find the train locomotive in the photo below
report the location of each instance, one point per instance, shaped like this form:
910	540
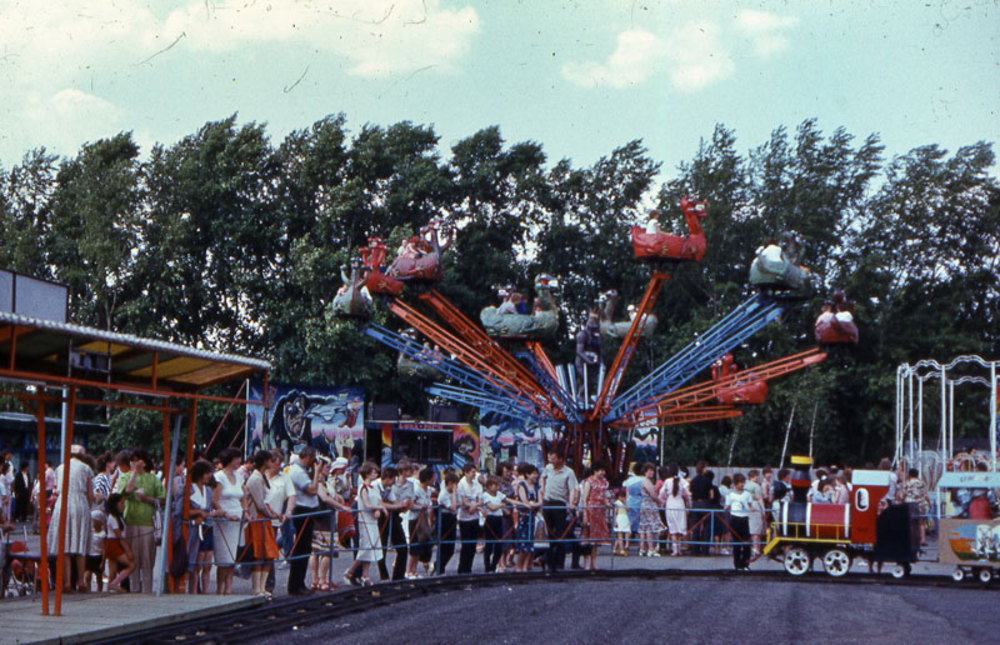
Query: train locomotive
868	527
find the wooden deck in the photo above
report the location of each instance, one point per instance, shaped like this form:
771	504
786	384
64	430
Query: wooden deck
88	618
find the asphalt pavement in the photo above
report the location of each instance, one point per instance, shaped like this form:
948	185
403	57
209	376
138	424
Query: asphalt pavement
735	609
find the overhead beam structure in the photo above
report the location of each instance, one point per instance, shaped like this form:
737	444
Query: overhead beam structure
57	362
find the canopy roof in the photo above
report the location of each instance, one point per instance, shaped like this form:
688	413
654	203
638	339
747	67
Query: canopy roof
54	353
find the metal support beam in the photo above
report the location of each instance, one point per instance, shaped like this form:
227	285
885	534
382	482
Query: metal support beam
748	318
614	377
702	393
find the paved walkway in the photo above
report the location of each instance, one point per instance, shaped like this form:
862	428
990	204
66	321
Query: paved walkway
86	617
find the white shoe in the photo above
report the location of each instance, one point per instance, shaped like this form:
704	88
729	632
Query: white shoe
654	554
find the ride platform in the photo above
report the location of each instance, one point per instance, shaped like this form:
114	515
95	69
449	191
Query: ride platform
94	617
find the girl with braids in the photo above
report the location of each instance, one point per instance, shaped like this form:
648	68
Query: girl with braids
676	499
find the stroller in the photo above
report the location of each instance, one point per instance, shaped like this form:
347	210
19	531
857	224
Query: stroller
17	576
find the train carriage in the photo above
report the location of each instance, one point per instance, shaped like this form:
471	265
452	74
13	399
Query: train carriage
970	543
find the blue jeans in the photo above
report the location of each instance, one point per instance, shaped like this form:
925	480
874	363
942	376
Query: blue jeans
286	537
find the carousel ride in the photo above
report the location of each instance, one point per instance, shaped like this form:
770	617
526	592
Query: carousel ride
501	366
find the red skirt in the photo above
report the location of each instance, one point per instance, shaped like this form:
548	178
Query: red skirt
345	525
113	549
259	535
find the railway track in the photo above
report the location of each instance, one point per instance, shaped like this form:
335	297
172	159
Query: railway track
286	613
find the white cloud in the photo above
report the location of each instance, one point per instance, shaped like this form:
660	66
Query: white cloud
47	45
69	117
633	61
766	30
695	45
70	103
379	37
693	54
103	47
698	56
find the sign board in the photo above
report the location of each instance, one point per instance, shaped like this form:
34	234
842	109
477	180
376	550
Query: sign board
32	297
6	291
969	542
969	480
329	419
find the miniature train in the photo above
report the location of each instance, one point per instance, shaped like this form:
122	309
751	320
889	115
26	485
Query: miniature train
837	534
872	529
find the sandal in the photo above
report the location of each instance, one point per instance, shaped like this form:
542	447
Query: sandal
324	586
366	582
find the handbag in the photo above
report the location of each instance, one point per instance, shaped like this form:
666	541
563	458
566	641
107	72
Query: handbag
422	529
244	558
158	525
179	556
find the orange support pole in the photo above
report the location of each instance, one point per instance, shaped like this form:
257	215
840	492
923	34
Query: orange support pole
43	521
479	339
617	370
492	366
543	359
700	393
13	347
63	503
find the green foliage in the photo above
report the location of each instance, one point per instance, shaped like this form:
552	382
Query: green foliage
227	240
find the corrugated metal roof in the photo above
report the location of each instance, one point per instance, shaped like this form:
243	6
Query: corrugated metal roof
44	345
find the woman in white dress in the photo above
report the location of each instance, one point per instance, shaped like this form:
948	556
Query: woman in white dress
79	527
676	500
228	499
369	511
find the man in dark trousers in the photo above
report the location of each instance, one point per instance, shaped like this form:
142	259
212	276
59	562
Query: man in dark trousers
22	494
559	504
305	478
701	501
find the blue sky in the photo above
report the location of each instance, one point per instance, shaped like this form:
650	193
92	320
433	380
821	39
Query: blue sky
580	77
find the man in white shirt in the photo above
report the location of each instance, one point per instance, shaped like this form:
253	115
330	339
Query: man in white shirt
740	503
390	530
559	494
403	493
470	499
305	478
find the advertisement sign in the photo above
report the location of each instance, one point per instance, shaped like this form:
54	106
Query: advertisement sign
329	419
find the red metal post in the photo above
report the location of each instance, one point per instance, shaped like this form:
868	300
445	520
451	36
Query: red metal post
617	370
43	529
63	500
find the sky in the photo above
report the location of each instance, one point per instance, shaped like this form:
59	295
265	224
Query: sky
579	77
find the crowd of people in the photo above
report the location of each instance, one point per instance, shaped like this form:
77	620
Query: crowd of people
249	518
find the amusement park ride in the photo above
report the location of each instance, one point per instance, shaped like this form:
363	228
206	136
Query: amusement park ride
501	366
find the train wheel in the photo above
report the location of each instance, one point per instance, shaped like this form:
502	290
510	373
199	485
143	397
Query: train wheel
985	575
958	575
836	562
797	561
900	571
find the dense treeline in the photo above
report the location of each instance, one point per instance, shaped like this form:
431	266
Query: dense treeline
229	241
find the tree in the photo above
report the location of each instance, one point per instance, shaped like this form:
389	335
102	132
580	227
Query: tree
27	194
95	227
205	268
496	202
